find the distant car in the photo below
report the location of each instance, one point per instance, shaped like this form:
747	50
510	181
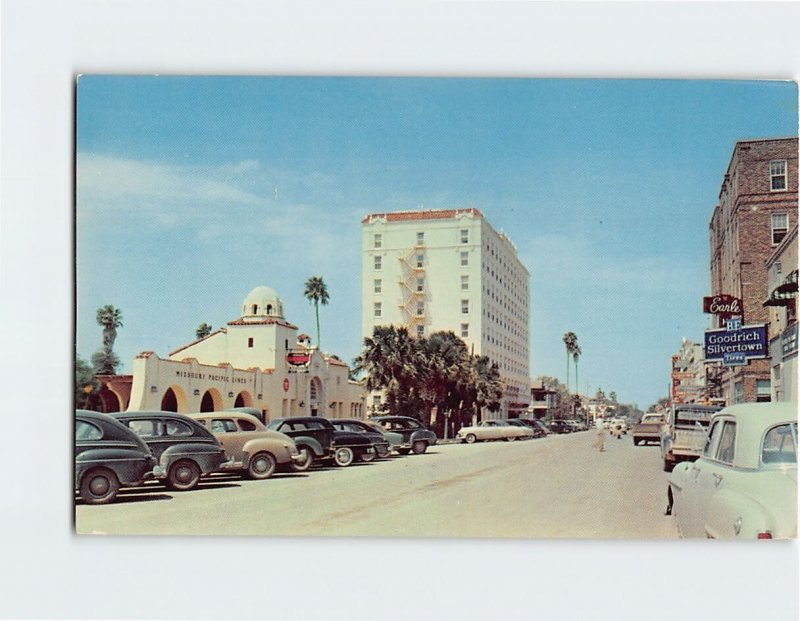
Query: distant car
560	426
378	439
109	456
527	432
318	440
253	449
416	436
744	484
184	448
493	430
538	429
394	439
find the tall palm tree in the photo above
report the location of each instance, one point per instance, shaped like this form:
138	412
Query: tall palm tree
576	353
570	342
111	319
316	293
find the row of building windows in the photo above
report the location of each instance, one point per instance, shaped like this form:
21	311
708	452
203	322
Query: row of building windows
377	284
377	238
420	261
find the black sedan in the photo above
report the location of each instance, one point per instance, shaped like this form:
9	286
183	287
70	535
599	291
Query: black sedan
416	436
108	456
185	449
379	441
318	440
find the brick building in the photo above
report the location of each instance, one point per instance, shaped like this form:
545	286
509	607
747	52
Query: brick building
757	208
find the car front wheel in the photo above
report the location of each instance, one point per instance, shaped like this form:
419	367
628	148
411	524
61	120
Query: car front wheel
343	456
470	438
368	457
510	438
183	476
419	447
262	466
99	486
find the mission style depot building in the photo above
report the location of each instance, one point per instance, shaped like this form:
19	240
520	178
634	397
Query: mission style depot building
257	361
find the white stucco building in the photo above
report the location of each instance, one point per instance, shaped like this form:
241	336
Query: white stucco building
449	269
246	363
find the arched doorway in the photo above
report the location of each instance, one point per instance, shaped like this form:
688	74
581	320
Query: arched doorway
243	400
314	395
211	401
169	402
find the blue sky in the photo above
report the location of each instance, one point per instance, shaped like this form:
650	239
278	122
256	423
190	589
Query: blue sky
194	190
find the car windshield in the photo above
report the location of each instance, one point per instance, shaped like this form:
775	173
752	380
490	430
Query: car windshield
780	445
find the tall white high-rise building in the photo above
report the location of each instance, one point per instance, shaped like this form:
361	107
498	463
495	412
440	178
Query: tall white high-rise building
449	269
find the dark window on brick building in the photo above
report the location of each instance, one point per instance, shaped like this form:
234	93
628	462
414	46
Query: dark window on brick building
780	226
250	342
777	175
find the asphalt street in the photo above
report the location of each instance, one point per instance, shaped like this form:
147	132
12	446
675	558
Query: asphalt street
555	487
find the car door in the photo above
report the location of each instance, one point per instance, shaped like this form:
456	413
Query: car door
690	514
151	431
714	472
231	439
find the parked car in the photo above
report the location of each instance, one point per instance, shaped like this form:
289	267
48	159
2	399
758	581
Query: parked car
416	436
394	439
184	448
545	431
537	430
109	456
378	439
492	430
684	434
318	440
527	432
744	484
560	426
253	449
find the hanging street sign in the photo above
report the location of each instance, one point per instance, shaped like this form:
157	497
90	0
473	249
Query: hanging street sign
737	346
724	304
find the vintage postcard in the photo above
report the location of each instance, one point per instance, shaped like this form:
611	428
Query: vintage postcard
435	307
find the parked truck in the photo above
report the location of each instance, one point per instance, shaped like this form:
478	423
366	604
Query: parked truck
684	434
648	429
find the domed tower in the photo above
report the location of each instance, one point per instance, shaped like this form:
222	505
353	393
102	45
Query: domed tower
262	303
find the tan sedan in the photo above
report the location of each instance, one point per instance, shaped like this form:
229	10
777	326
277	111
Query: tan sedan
493	430
255	450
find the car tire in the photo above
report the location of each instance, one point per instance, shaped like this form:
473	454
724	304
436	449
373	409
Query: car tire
343	456
368	457
99	486
635	441
419	447
262	466
183	475
306	463
470	438
510	438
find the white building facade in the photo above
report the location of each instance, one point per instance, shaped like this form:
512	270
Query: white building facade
248	363
449	270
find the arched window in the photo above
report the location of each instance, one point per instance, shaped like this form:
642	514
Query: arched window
269	309
255	309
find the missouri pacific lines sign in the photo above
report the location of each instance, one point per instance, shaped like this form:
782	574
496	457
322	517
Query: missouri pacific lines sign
746	343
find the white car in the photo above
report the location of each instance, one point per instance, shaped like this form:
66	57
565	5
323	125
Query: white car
493	430
744	484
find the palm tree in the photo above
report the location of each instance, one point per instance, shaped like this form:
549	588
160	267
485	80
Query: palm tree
390	360
203	330
316	293
576	353
445	374
111	319
570	342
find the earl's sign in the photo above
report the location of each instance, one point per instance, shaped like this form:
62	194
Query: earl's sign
734	347
725	305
